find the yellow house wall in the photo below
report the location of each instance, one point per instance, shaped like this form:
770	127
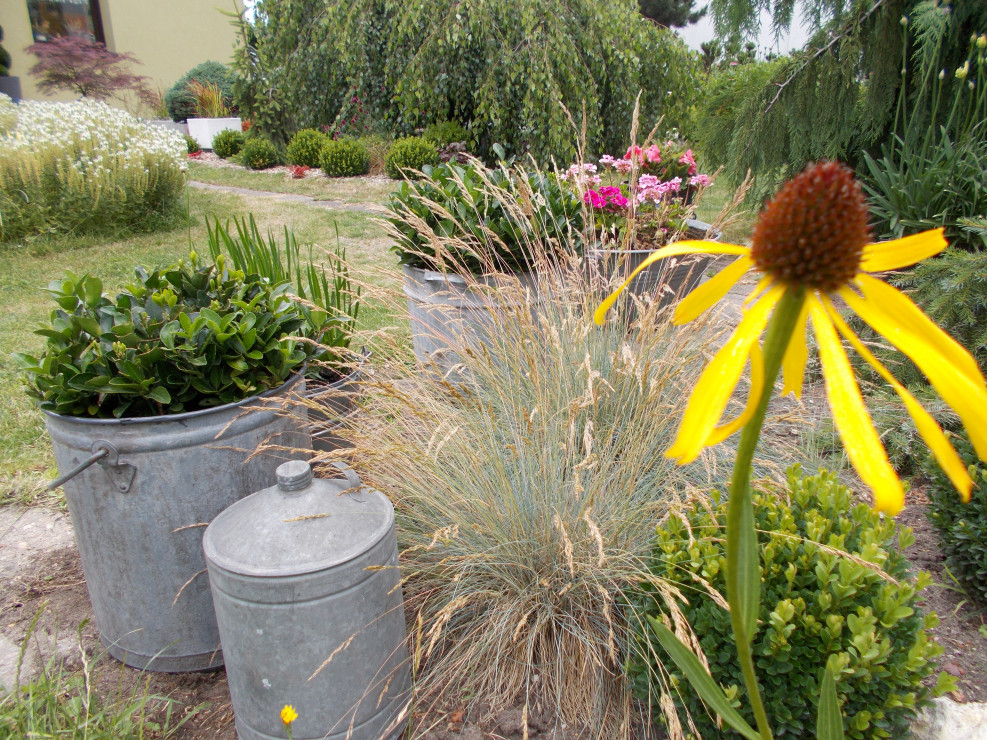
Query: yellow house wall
169	37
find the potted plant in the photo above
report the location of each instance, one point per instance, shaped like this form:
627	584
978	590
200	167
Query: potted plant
213	114
464	230
171	387
639	203
10	86
333	371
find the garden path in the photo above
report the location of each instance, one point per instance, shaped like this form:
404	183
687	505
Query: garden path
332	205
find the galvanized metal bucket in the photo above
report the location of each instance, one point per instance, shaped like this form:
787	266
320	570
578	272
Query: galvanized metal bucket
666	280
139	515
448	313
330	403
307	592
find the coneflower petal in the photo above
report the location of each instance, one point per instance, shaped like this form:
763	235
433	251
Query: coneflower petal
851	418
672	250
715	386
796	355
944	363
927	427
723	431
894	255
706	295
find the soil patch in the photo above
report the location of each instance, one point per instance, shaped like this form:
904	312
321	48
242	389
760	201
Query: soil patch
960	618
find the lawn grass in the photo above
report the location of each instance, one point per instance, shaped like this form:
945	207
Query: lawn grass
25	269
345	189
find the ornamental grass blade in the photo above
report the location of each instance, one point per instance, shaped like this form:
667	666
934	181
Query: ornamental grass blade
829	724
701	681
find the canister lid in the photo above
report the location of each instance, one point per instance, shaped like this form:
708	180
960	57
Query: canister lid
301	525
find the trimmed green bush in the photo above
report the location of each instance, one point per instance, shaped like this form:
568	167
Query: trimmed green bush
228	143
259	154
344	158
445	133
836	590
962	526
407	157
305	147
179	99
192	145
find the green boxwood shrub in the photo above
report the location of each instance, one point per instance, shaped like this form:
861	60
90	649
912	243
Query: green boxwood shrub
344	158
407	157
259	154
305	147
192	145
445	133
824	600
179	99
228	143
962	526
482	200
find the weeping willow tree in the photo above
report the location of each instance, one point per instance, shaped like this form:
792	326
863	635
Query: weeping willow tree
844	92
507	71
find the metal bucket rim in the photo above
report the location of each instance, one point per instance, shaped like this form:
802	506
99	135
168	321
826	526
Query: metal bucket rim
319	390
165	418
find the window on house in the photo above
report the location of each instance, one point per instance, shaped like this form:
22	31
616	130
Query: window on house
54	18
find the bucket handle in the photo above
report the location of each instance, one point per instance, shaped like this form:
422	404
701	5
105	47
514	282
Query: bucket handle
122	474
351	477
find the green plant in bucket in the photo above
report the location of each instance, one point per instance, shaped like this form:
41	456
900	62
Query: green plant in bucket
811	244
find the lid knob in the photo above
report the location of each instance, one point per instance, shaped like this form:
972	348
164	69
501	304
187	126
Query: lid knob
294	475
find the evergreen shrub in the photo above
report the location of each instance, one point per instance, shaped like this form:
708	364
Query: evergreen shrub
836	590
962	526
228	143
192	144
344	158
305	147
181	101
407	157
445	133
259	154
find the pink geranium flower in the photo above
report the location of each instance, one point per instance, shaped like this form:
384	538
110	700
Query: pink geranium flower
653	153
690	160
700	180
594	200
623	165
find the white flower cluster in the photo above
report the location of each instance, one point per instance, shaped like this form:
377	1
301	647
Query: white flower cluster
92	138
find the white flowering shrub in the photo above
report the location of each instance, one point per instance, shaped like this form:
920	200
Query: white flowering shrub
85	167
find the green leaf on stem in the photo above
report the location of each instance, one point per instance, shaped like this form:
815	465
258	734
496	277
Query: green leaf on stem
829	725
701	681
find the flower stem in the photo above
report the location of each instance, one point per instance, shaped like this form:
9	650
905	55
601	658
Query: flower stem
742	549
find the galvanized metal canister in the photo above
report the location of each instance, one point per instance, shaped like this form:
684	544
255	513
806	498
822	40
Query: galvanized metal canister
307	593
139	515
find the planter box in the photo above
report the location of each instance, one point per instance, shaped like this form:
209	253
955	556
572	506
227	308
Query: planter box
204	130
11	86
178	126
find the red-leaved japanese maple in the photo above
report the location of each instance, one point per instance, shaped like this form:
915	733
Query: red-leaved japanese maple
90	69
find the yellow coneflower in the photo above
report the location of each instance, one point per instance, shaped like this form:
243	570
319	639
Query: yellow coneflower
288	714
812	243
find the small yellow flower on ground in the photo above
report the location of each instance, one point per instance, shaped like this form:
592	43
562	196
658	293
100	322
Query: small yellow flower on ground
288	714
813	239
